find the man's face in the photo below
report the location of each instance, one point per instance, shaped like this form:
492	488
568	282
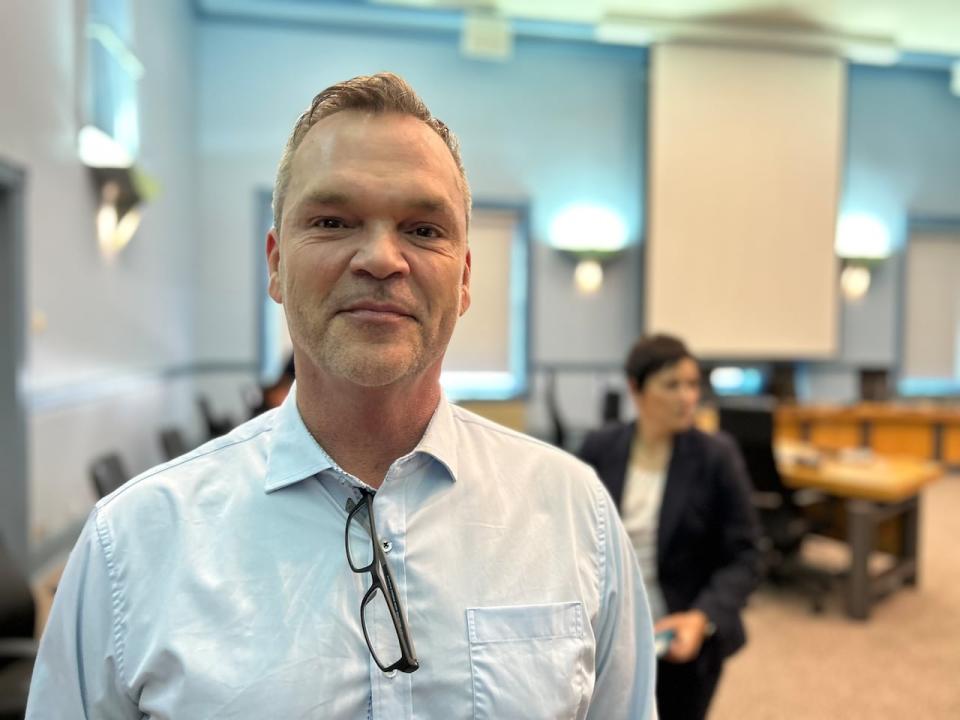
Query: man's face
371	263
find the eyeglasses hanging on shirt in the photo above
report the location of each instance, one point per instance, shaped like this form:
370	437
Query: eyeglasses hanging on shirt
390	651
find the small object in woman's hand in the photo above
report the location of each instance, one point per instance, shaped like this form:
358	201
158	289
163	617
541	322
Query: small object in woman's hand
662	640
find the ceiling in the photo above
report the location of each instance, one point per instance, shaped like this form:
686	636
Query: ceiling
902	27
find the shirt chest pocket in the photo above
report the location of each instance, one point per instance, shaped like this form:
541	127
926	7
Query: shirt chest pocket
528	661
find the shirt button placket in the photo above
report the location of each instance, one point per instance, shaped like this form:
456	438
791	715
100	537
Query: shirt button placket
392	690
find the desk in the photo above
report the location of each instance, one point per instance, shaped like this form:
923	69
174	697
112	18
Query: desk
875	489
921	431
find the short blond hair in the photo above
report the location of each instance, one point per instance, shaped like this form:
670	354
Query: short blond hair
378	94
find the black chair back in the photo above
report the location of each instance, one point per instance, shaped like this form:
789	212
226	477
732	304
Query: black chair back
172	443
216	426
750	424
17	647
611	406
17	612
558	435
107	473
784	525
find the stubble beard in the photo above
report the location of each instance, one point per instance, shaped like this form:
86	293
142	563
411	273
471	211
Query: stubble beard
369	363
368	357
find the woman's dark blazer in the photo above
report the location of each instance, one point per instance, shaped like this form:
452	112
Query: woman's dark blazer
707	555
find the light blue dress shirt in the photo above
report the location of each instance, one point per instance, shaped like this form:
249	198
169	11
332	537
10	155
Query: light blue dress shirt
217	586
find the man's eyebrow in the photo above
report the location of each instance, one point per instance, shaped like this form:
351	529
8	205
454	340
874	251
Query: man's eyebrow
325	197
335	197
425	203
429	204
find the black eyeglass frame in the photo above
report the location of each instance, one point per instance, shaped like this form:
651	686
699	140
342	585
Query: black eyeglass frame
382	579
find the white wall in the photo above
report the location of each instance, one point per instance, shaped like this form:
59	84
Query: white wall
103	320
903	162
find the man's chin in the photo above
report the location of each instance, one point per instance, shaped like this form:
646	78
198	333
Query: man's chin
373	368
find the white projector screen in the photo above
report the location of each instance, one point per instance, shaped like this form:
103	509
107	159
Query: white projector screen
745	164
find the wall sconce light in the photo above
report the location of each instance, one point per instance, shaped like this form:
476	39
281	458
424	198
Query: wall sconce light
120	188
118	213
591	235
854	281
588	276
862	242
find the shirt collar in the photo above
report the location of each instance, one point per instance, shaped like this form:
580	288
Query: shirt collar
440	438
294	454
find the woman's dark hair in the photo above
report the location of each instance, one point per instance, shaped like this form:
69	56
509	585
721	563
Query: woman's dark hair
652	353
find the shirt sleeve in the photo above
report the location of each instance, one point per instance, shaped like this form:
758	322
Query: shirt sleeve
626	664
78	666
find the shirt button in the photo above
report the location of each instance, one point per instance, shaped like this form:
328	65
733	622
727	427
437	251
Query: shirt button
392	674
387	547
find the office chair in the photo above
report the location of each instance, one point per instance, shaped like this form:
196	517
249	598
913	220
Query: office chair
783	522
18	649
172	443
558	435
611	406
216	425
107	473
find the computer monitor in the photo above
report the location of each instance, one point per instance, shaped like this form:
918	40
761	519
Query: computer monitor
874	384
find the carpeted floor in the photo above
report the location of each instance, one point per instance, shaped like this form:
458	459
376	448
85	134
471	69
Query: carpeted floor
903	663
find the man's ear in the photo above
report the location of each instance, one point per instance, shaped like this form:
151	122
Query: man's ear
274	286
465	285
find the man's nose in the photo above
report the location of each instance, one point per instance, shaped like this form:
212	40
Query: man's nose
381	253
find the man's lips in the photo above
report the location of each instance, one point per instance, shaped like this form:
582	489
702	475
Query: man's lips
377	311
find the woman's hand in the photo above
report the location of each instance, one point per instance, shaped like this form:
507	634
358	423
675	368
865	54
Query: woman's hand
690	630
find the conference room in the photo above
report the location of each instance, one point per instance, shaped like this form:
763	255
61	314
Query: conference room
778	185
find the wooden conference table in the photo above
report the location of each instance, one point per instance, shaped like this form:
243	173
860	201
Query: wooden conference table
874	488
924	432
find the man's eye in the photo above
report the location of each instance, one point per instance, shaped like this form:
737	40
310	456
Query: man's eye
425	231
329	223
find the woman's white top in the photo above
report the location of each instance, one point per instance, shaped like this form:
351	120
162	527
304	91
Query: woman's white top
640	511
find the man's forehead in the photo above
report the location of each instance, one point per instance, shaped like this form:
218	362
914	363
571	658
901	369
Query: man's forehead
350	140
355	134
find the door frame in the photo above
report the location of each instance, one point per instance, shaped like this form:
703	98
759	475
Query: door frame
14	489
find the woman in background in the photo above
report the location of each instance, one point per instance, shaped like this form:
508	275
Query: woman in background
684	499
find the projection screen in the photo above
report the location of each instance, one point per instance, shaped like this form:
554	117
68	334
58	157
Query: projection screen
745	168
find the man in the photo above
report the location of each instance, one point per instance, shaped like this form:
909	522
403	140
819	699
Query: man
291	568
